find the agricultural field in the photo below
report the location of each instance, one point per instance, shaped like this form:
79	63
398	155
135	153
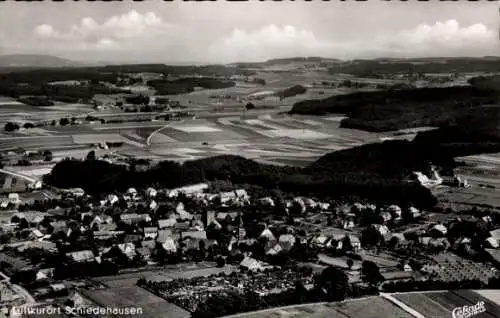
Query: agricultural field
135	297
165	273
365	307
442	303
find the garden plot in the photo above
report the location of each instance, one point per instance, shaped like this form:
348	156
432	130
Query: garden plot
295	134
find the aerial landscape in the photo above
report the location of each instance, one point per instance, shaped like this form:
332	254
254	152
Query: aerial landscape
160	160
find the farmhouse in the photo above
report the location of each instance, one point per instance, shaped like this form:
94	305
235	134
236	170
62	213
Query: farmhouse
81	256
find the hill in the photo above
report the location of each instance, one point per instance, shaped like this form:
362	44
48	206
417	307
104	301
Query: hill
374	172
391	110
35	60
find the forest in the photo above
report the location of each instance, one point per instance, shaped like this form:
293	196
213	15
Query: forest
187	85
376	172
391	110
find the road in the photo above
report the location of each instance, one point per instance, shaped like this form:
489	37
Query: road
19	175
148	141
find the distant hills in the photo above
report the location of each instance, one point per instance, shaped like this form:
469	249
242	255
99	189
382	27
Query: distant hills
36	60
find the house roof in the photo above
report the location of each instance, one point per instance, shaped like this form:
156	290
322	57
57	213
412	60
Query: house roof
250	263
495	234
268	234
170	245
195	234
276	249
170	222
80	256
164	235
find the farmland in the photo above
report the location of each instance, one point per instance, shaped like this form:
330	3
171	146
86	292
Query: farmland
133	297
428	304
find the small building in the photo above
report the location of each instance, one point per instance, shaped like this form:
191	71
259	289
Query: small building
167	223
81	256
150	232
128	249
151	192
251	264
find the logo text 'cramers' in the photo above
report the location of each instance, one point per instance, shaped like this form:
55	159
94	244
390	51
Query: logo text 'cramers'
469	311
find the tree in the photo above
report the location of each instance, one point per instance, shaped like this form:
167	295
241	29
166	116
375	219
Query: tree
221	262
371	273
333	283
249	106
350	263
9	127
91	155
28	125
64	121
346	244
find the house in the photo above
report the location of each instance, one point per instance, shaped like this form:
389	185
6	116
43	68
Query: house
394	210
188	190
492	242
144	252
153	205
382	229
169	245
111	199
267	201
438	230
132	218
201	235
151	193
59	226
287	241
81	256
128	249
132	238
14	198
355	242
251	264
166	223
183	214
414	212
36	234
103	235
275	250
163	235
268	235
150	232
44	274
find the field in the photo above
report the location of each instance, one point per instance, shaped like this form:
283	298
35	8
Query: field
439	304
366	307
482	172
165	273
134	297
442	303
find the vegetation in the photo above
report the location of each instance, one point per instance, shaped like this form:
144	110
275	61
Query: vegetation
36	101
292	91
187	85
373	172
400	109
377	68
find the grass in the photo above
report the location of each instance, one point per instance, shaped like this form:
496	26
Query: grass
136	297
371	307
423	304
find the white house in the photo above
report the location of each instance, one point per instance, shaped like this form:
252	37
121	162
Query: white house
151	192
14	198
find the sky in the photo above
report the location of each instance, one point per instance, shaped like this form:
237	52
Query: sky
154	31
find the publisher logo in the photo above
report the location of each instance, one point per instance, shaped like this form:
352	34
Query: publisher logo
469	311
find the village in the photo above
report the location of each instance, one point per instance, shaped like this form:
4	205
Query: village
266	245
